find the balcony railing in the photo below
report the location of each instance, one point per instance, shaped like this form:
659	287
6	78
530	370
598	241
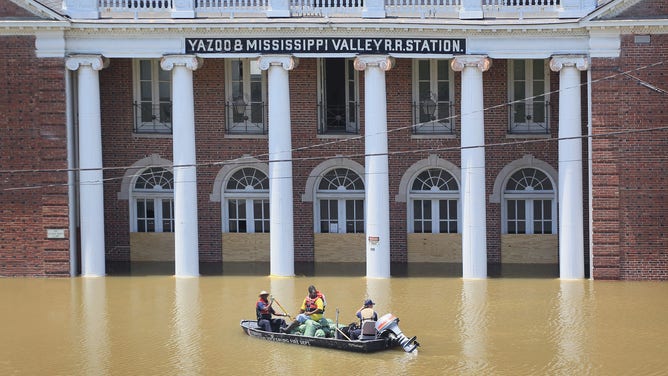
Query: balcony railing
525	117
436	118
338	119
246	118
445	9
153	118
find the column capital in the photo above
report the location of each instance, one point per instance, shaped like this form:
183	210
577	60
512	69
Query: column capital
97	62
580	62
482	62
288	62
191	62
383	62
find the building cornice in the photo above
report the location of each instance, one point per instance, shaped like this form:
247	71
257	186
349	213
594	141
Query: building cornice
26	27
655	26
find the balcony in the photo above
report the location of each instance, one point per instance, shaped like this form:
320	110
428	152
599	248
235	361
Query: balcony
527	118
418	9
338	119
246	118
153	118
432	118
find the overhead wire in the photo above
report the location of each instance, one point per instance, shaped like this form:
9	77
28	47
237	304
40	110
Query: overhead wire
244	160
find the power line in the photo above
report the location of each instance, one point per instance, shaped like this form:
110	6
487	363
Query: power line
243	160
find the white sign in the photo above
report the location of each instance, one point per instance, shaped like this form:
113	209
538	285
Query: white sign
55	233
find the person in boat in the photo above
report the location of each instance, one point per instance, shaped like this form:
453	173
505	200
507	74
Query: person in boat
313	308
264	312
365	313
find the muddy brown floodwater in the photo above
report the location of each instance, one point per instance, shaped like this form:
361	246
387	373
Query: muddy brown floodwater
162	325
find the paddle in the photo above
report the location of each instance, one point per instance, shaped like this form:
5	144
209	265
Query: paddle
281	307
337	325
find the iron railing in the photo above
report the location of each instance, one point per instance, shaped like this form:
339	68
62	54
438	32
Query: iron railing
439	118
337	119
153	118
246	118
527	117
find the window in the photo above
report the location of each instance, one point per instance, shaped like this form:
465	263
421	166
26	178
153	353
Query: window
338	97
152	98
529	203
340	202
153	201
432	97
434	202
529	107
247	201
246	85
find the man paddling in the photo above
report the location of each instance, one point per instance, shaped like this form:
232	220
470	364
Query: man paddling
264	312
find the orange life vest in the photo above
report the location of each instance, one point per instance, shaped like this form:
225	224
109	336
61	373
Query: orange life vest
262	313
310	303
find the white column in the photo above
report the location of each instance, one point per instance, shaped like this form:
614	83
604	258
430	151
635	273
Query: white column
474	225
571	227
377	191
281	222
91	187
186	239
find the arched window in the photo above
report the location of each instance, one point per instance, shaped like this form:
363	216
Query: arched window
529	203
434	202
153	201
247	201
340	202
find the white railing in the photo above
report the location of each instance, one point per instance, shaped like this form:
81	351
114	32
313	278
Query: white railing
444	9
521	8
130	5
423	8
326	8
231	8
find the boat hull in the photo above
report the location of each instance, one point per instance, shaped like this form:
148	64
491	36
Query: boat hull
250	327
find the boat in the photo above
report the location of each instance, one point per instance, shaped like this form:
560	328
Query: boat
387	336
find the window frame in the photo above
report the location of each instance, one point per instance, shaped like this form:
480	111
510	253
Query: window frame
441	123
158	196
253	108
161	110
342	197
530	198
352	107
528	99
250	197
434	197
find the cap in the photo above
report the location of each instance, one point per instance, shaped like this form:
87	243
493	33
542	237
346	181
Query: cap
368	302
263	293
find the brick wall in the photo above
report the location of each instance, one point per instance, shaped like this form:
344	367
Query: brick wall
11	10
629	188
122	149
645	9
33	143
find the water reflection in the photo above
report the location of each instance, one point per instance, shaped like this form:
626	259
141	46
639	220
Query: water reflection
95	341
473	326
187	331
161	325
378	290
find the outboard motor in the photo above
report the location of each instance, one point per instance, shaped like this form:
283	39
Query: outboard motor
387	326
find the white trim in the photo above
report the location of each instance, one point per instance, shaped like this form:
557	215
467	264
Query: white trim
528	95
528	161
131	174
432	161
247	96
315	175
230	168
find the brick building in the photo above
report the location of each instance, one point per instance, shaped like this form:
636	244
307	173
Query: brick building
478	136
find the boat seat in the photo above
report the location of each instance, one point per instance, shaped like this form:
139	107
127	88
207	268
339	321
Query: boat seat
368	330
